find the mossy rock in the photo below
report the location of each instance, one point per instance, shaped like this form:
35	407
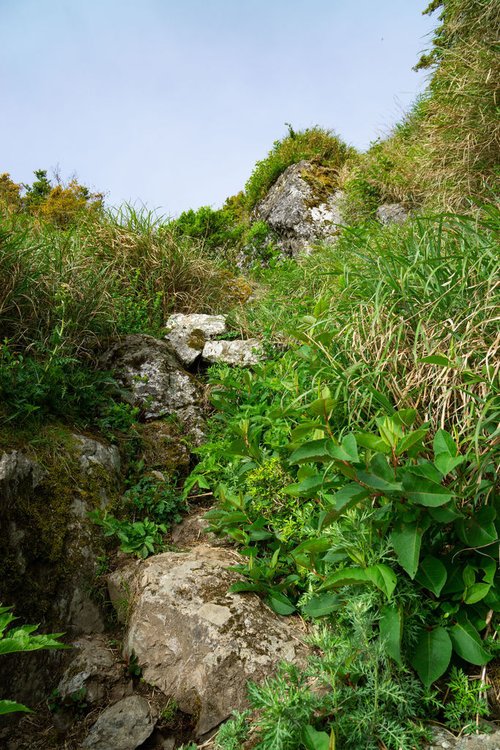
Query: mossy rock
49	547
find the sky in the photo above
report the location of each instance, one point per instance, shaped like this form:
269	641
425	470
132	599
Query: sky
170	103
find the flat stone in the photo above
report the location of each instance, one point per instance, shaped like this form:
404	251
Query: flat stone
238	352
123	726
188	333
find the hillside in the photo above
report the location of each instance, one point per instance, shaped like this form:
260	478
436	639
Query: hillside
249	457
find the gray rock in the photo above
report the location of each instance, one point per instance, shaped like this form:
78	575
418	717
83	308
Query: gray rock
237	352
156	381
93	453
391	213
18	474
443	740
123	726
297	212
195	641
188	333
93	669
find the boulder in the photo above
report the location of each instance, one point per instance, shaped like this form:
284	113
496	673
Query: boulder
239	352
195	641
188	333
391	213
302	207
122	726
152	374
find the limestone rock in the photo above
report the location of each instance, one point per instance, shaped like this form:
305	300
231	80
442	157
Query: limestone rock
391	213
123	726
188	333
236	352
195	641
93	669
157	383
18	474
444	740
302	207
93	453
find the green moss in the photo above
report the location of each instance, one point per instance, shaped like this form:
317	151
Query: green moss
323	182
36	564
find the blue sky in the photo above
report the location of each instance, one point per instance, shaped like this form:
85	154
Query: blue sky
171	102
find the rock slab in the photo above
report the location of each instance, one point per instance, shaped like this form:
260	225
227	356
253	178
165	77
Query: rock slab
195	641
188	334
238	352
123	726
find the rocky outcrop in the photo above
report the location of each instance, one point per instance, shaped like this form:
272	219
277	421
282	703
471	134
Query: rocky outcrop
302	207
156	382
50	550
191	338
195	641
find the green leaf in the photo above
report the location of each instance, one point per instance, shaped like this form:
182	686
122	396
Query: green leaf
322	406
445	452
315	451
424	491
432	574
380	576
10	707
345	498
444	514
321	605
345	577
314	740
478	530
391	630
410	440
432	655
406	416
406	540
383	577
437	359
476	592
346	451
467	642
372	442
280	603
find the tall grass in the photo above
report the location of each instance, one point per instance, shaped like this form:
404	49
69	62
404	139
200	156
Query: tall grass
389	299
126	272
63	293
